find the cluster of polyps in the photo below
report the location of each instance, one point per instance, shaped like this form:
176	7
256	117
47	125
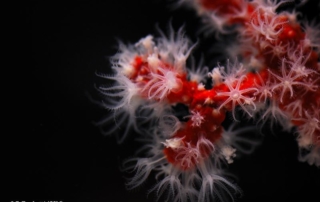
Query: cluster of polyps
276	78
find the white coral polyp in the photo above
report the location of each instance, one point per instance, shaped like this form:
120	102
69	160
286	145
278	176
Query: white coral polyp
162	83
228	153
238	96
147	43
173	143
196	118
267	26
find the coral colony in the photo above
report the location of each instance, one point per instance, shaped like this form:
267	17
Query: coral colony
271	75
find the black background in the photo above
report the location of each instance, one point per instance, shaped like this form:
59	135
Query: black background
56	153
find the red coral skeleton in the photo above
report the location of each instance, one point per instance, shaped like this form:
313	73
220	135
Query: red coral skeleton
278	63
